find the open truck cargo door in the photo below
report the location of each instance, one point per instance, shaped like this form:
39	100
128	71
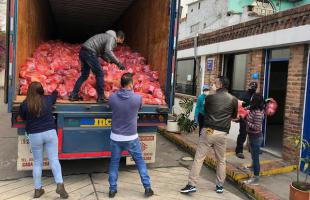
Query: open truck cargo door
150	28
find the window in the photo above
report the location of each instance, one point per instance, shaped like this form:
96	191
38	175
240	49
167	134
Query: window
185	77
280	53
239	75
195	28
192	10
263	7
235	69
199	6
205	25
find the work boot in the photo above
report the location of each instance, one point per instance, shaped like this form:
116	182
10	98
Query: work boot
102	100
75	97
62	191
240	155
38	193
112	194
148	192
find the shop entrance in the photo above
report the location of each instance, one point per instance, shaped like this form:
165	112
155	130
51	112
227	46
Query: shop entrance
276	88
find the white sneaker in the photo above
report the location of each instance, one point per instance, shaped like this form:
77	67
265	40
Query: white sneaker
253	180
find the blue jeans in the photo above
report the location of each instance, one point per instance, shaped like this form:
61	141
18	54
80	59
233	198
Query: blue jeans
89	61
38	141
134	149
255	144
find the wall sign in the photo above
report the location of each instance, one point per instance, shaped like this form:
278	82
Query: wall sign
210	64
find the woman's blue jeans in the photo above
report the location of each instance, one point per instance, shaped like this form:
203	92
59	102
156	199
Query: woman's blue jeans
49	141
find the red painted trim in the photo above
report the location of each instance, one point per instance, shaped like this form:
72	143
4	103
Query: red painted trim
12	8
18	126
59	141
88	155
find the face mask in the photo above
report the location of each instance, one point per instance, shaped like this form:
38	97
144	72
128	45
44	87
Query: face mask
213	87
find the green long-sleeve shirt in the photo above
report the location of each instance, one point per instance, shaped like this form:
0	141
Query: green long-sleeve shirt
200	106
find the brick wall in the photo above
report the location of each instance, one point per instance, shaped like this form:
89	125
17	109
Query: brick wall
212	75
256	65
294	99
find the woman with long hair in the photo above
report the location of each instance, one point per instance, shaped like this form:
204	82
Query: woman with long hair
254	128
36	110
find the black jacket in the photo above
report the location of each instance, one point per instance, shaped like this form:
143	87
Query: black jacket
46	120
220	109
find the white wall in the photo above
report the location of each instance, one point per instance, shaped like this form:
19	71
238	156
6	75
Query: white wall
212	13
2	73
2	15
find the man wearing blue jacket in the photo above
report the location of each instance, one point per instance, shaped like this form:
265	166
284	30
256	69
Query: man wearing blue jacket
199	110
125	105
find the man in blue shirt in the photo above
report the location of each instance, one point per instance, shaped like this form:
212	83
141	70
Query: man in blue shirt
199	110
125	105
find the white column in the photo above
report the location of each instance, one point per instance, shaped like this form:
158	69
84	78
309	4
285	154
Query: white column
202	71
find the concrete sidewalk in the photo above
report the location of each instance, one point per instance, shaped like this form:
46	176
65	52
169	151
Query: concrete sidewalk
166	183
239	169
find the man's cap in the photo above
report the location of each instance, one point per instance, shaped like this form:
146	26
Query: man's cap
205	87
253	85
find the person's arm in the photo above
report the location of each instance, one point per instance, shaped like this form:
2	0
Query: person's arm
197	109
235	108
22	111
110	55
54	96
141	103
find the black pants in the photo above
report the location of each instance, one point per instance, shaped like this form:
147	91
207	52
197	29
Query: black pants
89	61
201	122
241	137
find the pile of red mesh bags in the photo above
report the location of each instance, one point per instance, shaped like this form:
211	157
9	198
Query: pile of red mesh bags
56	65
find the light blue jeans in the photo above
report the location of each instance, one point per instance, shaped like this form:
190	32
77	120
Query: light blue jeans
49	141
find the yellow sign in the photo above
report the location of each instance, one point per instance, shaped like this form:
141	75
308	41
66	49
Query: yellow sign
99	122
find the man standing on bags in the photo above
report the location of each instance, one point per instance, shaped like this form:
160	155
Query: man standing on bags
220	109
125	105
98	45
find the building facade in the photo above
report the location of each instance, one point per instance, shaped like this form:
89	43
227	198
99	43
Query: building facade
271	50
204	16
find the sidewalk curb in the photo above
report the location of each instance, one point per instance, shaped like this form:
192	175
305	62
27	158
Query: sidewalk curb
234	173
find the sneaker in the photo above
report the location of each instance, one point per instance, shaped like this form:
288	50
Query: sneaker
188	189
253	180
148	192
240	155
112	194
219	189
75	98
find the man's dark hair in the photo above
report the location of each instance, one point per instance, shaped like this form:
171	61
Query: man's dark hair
126	79
120	34
225	81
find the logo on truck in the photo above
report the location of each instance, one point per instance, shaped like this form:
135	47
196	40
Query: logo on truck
96	122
